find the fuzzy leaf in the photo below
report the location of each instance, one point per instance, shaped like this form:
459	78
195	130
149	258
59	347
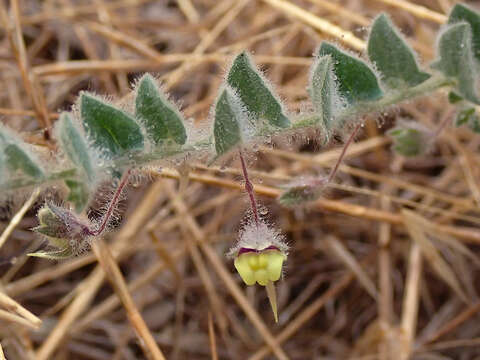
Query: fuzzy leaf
468	116
74	145
475	124
392	56
356	81
161	118
254	92
227	125
18	158
112	130
454	98
455	59
78	194
323	90
463	117
407	141
461	12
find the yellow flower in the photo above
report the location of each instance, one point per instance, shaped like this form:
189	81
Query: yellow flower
261	267
259	255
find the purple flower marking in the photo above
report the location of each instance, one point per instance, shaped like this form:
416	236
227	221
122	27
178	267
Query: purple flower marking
244	250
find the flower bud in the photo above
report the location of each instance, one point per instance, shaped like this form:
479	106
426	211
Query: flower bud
302	191
65	232
411	138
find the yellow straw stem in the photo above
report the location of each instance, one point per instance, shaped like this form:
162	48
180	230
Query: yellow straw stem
272	297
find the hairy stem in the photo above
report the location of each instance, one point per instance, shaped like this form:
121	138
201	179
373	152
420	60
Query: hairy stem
112	205
310	120
394	97
249	188
349	141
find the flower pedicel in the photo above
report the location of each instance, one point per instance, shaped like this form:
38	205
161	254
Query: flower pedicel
260	251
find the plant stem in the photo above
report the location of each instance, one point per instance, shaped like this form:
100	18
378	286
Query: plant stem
249	189
113	204
309	120
395	97
350	139
443	124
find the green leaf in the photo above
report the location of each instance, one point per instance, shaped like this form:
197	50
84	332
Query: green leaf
454	98
254	92
161	118
16	157
323	91
460	13
78	194
74	145
112	130
475	124
407	141
455	59
468	116
464	116
227	127
392	56
356	81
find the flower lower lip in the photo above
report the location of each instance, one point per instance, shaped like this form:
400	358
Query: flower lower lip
244	250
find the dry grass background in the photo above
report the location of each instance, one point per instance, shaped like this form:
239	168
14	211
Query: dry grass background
383	267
